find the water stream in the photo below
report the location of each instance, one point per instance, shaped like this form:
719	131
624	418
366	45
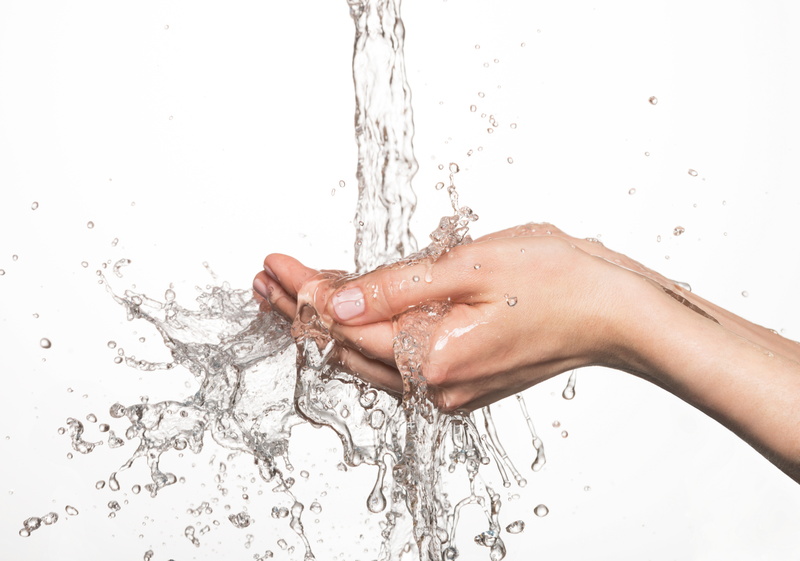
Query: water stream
257	376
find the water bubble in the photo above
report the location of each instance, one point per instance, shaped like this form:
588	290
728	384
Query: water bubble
522	44
345	411
315	507
632	191
496	60
653	100
71	510
516	527
136	489
510	160
367	400
587	488
114	242
658	238
647	153
241	520
745	293
556	424
377	418
513	125
45	343
453	167
34	205
541	510
14	257
279	512
678	230
473	108
90	224
2	272
490	130
477	47
166	27
693	173
481	94
111	344
84	264
91	417
564	434
440	186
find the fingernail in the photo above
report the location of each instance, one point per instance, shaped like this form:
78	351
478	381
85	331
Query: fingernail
270	273
260	286
348	303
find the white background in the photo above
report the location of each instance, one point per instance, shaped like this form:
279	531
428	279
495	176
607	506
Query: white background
200	131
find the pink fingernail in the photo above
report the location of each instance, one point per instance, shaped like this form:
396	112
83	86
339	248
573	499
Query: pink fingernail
270	274
260	286
348	303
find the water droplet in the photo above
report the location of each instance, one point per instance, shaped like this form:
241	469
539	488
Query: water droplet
91	417
516	527
745	293
34	205
2	272
476	266
345	412
513	125
114	242
678	230
477	47
90	224
84	264
522	44
71	510
496	60
166	27
333	192
490	130
315	507
481	94
454	167
564	434
541	510
377	418
111	344
587	488
169	295
415	278
510	300
647	153
693	173
473	108
440	186
45	343
632	191
658	238
653	100
510	160
14	257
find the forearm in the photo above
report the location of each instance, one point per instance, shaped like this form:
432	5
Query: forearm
733	371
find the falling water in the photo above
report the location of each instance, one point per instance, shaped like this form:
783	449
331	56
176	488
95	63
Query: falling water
257	376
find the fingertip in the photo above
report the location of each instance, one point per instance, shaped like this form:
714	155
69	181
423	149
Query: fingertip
261	287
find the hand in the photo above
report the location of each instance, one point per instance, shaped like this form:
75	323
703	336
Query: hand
527	303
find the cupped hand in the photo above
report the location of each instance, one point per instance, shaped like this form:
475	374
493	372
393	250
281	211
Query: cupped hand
525	304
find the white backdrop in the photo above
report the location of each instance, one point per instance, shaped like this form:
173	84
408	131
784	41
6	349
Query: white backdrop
200	131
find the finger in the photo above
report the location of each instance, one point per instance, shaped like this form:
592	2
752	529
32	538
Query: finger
273	292
373	340
384	293
288	271
372	371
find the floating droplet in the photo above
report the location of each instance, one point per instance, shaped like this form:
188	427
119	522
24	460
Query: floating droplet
587	488
541	510
440	186
653	100
678	230
45	343
114	242
745	293
513	125
34	205
693	173
510	160
90	224
516	527
564	434
473	108
84	264
632	191
647	153
71	510
658	238
477	47
91	417
454	167
481	94
14	257
315	507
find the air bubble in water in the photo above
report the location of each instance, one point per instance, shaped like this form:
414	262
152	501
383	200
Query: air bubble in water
693	173
45	343
541	510
678	230
516	527
653	100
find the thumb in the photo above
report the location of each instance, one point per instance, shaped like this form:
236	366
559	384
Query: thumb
386	292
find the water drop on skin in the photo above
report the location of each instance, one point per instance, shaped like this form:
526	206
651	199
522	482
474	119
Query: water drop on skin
541	510
45	343
511	300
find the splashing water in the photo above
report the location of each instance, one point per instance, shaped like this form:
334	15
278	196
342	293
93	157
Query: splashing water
258	376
